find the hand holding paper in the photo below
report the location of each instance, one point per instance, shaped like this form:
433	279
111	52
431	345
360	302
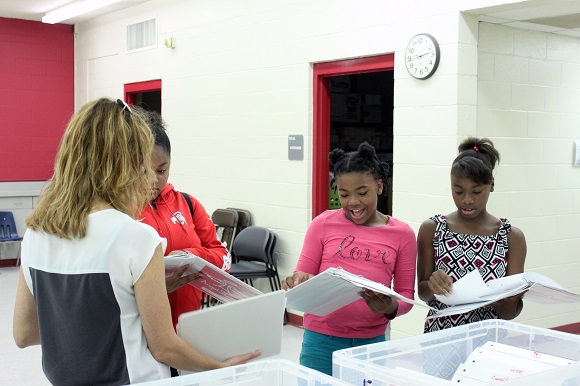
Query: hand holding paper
471	288
440	283
295	279
213	281
470	292
178	278
379	303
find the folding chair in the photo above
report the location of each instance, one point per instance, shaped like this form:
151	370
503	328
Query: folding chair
8	232
244	219
226	222
254	252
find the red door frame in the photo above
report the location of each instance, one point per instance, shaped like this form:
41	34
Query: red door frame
321	117
132	89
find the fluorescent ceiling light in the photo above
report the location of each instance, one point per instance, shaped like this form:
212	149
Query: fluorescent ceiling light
75	8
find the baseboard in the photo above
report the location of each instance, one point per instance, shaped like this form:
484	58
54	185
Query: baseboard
573	328
295	320
8	263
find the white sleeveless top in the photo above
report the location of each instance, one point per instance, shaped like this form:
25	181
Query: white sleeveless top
90	327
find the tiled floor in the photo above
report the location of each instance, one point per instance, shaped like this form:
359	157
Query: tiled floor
23	367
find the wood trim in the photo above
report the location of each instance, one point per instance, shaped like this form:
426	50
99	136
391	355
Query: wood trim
573	328
148	85
356	65
295	320
130	89
321	116
320	144
7	263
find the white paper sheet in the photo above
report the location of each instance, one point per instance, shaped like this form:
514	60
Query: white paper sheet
528	354
472	289
470	292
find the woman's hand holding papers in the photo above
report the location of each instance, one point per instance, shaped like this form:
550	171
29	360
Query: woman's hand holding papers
241	359
295	279
440	283
178	279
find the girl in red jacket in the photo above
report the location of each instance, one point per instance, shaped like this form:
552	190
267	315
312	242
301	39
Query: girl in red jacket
185	230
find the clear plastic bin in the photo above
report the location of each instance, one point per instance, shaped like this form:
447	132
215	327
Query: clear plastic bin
431	359
275	372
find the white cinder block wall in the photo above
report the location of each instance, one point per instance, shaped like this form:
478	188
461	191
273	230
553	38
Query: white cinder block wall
529	103
240	81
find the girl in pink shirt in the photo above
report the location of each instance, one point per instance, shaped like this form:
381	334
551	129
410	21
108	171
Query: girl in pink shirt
364	242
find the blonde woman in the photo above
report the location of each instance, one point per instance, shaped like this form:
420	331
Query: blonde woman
91	290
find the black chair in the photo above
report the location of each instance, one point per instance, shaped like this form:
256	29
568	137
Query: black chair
254	251
8	232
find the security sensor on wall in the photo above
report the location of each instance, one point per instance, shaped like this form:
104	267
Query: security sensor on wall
169	42
577	152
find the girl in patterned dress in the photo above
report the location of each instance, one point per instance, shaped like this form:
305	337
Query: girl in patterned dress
450	246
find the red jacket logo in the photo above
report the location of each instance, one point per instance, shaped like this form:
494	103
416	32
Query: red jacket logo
177	217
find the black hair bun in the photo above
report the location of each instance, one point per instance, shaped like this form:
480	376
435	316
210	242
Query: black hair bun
367	151
335	156
469	143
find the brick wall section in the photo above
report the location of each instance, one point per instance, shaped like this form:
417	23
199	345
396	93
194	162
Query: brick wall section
36	96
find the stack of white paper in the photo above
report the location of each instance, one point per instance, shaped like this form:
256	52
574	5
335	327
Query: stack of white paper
496	362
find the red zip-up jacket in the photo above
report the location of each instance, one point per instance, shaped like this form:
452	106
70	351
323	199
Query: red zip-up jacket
169	214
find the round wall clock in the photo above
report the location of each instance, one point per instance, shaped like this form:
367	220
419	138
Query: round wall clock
422	56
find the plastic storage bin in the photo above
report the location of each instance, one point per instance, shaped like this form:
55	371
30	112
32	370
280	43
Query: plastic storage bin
431	359
275	372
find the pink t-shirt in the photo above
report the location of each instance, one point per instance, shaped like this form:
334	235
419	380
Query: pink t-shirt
377	253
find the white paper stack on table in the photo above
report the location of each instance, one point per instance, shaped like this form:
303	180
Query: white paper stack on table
471	292
497	362
333	289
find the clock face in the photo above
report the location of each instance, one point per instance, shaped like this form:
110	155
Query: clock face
422	56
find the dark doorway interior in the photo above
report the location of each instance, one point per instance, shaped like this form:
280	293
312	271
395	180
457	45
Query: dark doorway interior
361	109
149	100
145	94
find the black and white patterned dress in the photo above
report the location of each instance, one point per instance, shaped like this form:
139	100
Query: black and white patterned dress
458	254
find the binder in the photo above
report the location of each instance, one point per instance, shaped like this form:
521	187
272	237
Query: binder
217	283
237	327
333	289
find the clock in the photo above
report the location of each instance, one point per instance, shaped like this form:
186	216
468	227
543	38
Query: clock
422	56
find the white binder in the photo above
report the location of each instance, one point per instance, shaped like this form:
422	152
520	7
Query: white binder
237	327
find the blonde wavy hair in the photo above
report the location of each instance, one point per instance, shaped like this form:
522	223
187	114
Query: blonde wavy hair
105	154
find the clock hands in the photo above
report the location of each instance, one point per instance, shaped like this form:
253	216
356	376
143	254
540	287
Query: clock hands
418	56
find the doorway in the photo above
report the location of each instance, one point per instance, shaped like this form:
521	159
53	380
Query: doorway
353	103
146	95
